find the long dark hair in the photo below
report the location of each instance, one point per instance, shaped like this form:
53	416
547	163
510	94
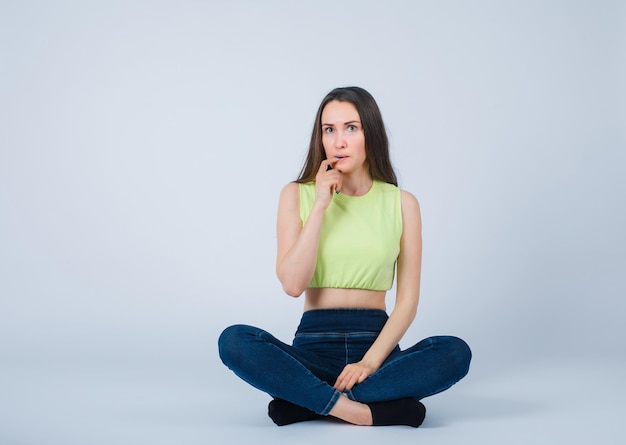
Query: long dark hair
376	142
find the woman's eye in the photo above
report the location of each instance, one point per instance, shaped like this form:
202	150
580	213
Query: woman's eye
352	128
328	130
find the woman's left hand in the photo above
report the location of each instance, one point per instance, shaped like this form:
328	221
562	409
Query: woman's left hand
352	374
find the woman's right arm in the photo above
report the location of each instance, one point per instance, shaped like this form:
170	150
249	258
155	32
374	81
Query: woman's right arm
297	243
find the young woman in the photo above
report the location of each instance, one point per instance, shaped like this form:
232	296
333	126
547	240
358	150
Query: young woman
344	231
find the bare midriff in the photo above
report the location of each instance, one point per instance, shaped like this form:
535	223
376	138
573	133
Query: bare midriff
334	298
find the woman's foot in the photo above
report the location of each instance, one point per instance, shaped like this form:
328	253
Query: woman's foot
351	411
398	412
286	413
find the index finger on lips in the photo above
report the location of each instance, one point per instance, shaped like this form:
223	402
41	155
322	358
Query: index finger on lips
327	163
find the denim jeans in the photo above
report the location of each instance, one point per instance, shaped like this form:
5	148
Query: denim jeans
328	339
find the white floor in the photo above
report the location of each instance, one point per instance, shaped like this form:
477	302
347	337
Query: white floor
187	402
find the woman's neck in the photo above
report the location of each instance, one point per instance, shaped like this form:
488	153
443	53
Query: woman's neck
356	185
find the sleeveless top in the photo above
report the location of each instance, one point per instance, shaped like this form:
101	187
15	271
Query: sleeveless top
360	237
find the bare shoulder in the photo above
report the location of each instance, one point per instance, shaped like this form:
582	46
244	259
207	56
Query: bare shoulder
290	189
410	204
290	193
290	197
411	215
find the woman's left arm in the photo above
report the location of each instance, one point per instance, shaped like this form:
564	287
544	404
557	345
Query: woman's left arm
409	267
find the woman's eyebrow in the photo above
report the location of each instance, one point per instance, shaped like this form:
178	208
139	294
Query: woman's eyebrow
345	123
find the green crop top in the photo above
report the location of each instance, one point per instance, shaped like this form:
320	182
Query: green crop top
360	237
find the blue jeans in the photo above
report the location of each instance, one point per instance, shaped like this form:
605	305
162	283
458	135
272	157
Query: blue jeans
327	340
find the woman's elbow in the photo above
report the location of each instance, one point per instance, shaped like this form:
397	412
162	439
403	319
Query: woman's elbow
292	289
291	285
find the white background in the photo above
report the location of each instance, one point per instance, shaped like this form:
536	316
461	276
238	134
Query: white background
143	146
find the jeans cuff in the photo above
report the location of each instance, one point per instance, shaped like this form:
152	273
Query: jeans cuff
331	403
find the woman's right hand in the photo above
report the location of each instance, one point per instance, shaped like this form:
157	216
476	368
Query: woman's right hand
327	183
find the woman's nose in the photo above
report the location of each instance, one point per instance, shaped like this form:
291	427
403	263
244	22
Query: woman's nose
340	140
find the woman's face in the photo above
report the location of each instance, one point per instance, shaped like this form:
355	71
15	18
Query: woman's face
343	137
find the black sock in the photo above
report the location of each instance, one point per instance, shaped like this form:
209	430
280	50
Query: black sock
285	413
398	412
